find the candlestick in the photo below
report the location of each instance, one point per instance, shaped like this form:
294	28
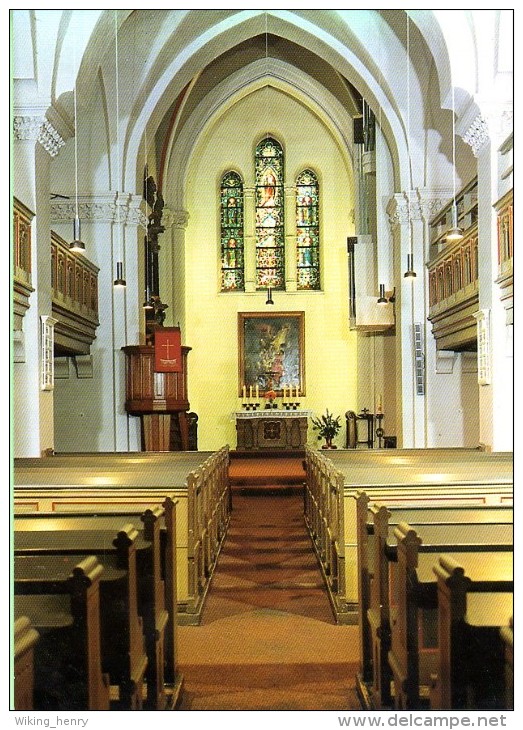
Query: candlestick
257	392
250	391
244	390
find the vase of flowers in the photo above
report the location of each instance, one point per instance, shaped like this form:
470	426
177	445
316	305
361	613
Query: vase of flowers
327	426
269	396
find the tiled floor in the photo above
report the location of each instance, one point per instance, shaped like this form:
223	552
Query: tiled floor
268	640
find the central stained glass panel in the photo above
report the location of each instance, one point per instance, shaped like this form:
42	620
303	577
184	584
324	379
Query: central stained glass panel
270	237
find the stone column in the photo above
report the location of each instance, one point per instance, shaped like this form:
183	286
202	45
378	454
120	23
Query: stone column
113	226
172	265
35	142
408	233
485	134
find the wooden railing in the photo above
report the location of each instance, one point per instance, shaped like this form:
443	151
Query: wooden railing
505	279
453	275
74	283
22	287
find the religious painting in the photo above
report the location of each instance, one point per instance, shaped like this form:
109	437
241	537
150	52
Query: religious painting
271	353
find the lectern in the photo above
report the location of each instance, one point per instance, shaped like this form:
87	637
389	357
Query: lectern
158	395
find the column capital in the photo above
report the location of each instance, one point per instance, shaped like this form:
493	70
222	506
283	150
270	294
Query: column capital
38	128
403	208
175	218
110	207
477	134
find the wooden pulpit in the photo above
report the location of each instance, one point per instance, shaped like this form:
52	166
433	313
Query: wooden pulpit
156	391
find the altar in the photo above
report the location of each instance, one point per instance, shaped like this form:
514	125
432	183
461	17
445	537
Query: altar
271	429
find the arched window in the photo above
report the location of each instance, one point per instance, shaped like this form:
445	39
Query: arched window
307	231
232	259
270	240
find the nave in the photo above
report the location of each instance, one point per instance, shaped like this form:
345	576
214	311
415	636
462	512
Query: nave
268	639
267	587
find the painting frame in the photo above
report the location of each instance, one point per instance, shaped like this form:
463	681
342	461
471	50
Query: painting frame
271	353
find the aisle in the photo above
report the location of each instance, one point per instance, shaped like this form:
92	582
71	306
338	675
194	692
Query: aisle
268	640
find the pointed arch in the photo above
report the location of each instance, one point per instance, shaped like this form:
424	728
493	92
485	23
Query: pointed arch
270	214
231	233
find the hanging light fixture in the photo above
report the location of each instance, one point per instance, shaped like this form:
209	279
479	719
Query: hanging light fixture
119	282
382	298
455	233
269	296
410	273
76	245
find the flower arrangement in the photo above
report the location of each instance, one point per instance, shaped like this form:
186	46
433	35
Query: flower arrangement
327	426
270	394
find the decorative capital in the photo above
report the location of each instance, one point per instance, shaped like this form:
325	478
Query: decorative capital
477	135
403	208
39	129
175	218
120	208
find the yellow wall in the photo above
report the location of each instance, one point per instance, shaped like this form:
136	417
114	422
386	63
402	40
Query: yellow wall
211	317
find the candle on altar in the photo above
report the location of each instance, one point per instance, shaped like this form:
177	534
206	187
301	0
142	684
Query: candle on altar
244	390
250	391
257	392
380	406
297	395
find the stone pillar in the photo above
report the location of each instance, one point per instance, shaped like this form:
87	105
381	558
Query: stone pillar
172	265
113	226
485	134
35	142
408	232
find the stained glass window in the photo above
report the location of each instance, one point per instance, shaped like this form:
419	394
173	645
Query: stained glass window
232	259
270	240
307	231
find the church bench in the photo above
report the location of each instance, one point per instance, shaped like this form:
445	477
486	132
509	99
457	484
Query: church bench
197	481
64	607
150	585
374	524
158	528
412	659
124	656
25	637
333	482
507	636
473	613
376	609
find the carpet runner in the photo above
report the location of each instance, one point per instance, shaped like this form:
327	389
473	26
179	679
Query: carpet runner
268	640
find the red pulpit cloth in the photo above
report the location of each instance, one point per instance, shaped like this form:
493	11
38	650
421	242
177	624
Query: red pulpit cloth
168	351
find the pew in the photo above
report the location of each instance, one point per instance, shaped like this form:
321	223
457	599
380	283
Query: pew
470	672
488	564
123	652
507	636
63	605
459	529
110	482
157	607
25	637
386	517
333	481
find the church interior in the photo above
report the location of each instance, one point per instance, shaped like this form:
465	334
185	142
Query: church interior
262	385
